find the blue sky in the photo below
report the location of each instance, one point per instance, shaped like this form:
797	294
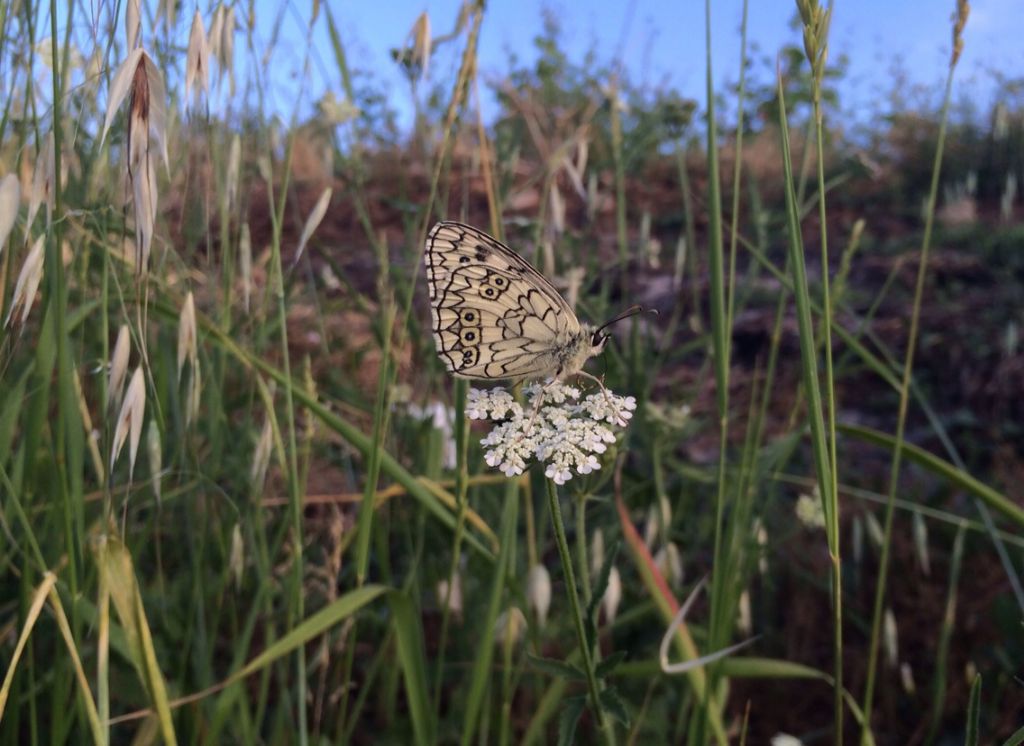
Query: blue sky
662	42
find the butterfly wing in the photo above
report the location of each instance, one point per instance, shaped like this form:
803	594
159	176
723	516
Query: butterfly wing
494	316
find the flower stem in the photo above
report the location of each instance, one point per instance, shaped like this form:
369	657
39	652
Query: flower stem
604	724
581	547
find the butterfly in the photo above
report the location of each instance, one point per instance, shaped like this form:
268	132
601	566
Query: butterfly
496	317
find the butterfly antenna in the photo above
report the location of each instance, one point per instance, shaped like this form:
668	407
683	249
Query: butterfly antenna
631	311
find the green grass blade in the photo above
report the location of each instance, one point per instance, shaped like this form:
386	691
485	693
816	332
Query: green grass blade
992	498
945	636
409	637
115	562
973	713
329	616
480	675
1016	739
38	599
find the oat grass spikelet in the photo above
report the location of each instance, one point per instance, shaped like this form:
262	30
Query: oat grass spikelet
28	283
10	200
129	421
118	366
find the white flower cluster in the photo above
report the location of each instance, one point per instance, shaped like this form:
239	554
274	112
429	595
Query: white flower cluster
810	511
564	432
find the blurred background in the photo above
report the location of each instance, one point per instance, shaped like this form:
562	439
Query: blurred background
240	500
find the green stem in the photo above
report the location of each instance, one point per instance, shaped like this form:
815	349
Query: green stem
620	179
831	494
294	490
58	306
721	339
461	490
809	365
883	562
604	724
581	547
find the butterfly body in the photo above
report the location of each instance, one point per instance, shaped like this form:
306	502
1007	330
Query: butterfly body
494	316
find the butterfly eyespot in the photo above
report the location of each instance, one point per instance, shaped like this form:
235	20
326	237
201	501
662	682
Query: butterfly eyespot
499	282
490	292
469	317
469	357
469	337
464	259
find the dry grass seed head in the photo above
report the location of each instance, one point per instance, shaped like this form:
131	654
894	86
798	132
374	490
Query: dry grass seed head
421	43
118	366
194	396
317	215
42	185
890	638
187	346
197	60
261	457
538	592
963	10
132	24
612	595
236	561
245	262
222	43
129	421
451	595
28	282
10	201
509	626
596	552
154	452
234	166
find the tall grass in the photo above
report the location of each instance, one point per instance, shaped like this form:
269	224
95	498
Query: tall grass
241	500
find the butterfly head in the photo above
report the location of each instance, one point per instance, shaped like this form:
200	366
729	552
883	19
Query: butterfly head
598	339
593	340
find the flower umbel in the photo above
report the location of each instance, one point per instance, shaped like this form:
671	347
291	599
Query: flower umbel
559	427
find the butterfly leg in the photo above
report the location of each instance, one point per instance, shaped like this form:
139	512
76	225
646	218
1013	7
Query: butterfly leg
607	397
538	401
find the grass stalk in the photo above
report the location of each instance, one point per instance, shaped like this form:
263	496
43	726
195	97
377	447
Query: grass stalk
604	723
461	492
945	636
901	416
294	495
809	365
720	339
816	27
620	179
57	303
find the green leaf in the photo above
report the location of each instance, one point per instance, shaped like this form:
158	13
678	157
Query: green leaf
609	664
1016	739
973	712
568	719
312	627
992	498
612	703
556	668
